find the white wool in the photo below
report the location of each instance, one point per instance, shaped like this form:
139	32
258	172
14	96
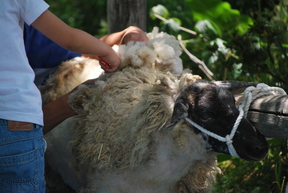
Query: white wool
167	56
92	68
136	54
156	34
168	39
162	52
171	42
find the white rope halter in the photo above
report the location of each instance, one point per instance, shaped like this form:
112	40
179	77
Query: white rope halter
250	94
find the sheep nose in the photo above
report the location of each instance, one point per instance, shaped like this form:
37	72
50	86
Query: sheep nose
262	148
257	149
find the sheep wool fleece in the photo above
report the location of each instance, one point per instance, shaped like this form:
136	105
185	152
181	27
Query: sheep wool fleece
138	95
124	113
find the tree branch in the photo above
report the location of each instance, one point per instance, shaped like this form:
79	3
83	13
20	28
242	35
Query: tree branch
181	28
200	63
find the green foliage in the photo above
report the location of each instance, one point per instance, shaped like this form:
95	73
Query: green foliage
160	10
87	15
221	14
266	176
178	9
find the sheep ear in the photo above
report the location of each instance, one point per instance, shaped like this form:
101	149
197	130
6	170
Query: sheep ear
235	87
180	112
182	103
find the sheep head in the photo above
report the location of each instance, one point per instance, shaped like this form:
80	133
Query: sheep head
212	107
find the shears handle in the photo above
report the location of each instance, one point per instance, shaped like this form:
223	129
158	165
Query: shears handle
104	63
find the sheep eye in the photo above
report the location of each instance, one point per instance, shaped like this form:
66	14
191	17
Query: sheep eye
205	119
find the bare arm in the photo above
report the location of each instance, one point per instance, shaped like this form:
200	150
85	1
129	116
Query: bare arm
55	112
75	40
59	110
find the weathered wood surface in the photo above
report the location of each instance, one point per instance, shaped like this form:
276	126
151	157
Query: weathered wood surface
124	13
269	114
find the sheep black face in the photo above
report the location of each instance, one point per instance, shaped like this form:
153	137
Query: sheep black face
213	108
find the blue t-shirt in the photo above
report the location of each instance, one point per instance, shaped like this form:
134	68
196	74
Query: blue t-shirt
43	54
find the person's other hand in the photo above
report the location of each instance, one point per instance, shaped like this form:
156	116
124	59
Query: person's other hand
133	33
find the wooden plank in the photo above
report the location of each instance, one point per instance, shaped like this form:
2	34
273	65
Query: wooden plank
269	115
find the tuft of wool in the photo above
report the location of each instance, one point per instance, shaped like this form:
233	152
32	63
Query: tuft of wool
162	52
136	54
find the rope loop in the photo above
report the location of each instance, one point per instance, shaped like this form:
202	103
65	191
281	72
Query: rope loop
251	93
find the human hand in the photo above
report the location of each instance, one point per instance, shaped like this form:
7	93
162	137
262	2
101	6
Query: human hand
133	33
103	63
110	62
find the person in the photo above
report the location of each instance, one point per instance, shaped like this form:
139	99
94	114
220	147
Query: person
22	145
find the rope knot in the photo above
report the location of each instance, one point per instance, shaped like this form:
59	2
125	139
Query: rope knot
229	141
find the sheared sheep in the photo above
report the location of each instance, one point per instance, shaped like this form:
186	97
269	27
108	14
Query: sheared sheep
132	132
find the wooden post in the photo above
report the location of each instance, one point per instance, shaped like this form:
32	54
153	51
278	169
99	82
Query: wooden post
269	114
124	13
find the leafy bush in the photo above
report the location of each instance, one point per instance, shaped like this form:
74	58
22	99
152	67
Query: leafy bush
87	15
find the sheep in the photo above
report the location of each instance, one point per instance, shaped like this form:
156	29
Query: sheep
131	133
